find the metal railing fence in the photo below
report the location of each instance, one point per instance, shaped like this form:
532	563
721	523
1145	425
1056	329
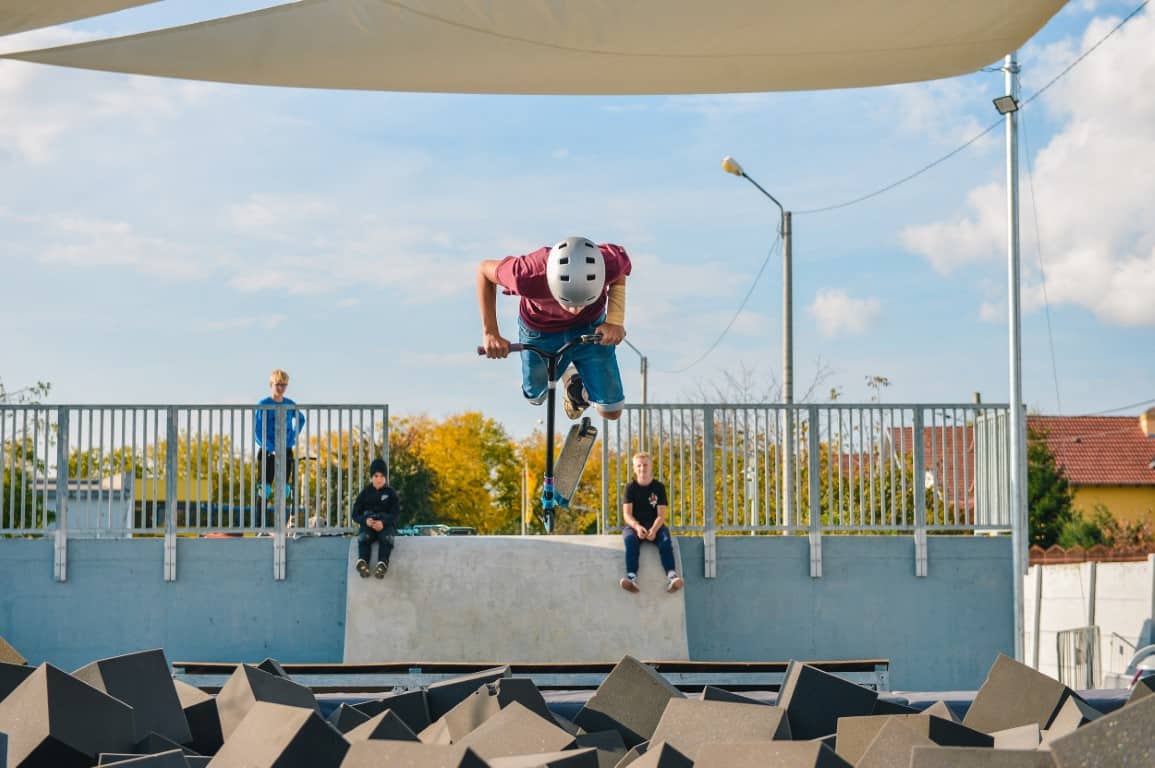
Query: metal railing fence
170	470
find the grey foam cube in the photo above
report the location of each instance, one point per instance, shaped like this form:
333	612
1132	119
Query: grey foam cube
383	727
411	706
660	755
516	730
447	694
1143	688
173	758
1020	737
782	754
714	693
1124	738
630	700
1074	713
143	681
1014	694
491	698
12	675
943	710
814	700
892	706
410	754
204	722
977	757
10	655
609	745
345	718
687	724
54	720
248	686
575	758
892	745
856	734
281	736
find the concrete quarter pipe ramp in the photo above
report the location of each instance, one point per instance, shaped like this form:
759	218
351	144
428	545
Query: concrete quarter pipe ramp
512	599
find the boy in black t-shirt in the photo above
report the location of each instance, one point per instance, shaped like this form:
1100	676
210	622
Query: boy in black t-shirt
376	509
644	511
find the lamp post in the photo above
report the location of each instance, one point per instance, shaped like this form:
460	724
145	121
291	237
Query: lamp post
1008	106
730	165
644	370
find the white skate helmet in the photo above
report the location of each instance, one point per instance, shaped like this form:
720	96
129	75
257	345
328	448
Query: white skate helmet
576	272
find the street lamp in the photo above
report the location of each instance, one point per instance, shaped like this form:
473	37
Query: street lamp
644	371
730	165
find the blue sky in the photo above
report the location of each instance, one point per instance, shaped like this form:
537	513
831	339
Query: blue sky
169	241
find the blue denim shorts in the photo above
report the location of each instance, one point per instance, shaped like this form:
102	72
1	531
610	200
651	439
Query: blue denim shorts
596	363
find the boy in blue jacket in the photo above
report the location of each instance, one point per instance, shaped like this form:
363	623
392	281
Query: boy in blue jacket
376	510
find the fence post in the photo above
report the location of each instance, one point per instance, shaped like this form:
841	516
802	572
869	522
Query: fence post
280	481
709	539
172	436
603	518
60	544
813	467
919	447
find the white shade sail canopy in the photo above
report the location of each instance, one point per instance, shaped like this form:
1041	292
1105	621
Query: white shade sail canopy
22	15
577	46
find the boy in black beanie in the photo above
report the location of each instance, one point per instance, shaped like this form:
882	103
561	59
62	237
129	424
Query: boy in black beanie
376	509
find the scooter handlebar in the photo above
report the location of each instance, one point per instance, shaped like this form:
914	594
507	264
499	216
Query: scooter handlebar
589	338
512	348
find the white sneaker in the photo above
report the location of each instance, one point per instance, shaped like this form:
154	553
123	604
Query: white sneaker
675	583
629	583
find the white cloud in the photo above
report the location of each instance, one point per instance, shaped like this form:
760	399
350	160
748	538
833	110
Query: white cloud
837	313
268	323
1093	184
92	242
276	217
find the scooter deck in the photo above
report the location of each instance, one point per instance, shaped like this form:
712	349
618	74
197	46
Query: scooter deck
571	462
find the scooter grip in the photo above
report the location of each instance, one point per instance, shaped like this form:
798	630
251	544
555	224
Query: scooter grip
512	348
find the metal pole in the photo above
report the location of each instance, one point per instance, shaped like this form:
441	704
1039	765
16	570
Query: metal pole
788	371
1018	468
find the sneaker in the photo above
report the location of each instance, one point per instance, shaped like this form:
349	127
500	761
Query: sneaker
379	571
675	583
363	569
574	400
629	583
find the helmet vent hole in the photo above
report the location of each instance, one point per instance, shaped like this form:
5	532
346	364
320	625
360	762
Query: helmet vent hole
563	260
563	278
591	260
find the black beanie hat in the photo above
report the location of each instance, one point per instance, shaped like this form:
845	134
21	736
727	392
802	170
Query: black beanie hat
378	465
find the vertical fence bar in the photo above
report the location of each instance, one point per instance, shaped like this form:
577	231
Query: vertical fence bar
709	537
60	545
279	482
171	492
813	470
920	568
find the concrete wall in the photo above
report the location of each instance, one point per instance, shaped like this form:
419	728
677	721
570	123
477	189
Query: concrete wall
940	632
1122	597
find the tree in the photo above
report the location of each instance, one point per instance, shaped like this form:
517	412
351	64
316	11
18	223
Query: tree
413	479
1048	493
21	505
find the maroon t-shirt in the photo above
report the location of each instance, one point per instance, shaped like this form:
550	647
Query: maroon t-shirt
524	276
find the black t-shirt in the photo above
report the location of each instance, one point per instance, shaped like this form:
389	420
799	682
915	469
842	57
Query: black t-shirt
646	500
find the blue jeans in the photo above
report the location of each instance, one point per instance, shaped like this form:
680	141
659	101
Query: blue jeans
596	363
634	544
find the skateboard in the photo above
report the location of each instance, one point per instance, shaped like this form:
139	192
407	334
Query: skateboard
571	462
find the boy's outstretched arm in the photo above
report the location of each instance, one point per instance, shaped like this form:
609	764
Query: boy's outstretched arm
613	330
491	339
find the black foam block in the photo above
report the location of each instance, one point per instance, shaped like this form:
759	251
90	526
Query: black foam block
814	700
609	745
411	706
204	722
855	734
248	685
447	694
383	727
687	724
3	749
56	721
630	700
143	681
1014	694
785	754
345	718
575	758
714	693
662	756
273	667
12	675
155	743
977	757
1124	738
516	730
410	754
173	758
280	736
892	706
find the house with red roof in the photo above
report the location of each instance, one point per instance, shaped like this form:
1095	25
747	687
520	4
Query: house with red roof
1108	460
